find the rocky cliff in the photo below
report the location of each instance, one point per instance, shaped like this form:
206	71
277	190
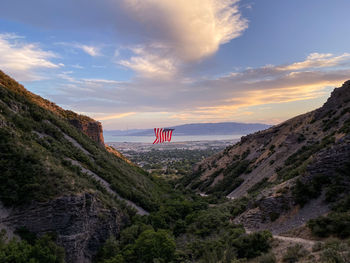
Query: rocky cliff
93	129
81	223
292	171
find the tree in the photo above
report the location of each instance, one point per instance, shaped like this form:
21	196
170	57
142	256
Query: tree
152	245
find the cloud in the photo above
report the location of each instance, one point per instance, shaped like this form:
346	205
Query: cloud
21	60
171	34
116	116
318	60
150	65
177	33
230	97
192	29
91	50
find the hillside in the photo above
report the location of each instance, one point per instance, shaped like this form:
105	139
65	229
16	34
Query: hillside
291	172
71	199
221	128
57	176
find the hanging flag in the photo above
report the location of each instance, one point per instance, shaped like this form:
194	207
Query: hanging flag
162	135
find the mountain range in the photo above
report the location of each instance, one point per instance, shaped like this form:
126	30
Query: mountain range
220	128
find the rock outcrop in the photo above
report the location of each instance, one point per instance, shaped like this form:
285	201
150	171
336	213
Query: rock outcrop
93	129
81	223
309	149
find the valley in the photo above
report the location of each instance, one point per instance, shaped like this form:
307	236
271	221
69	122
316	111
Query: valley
170	160
277	195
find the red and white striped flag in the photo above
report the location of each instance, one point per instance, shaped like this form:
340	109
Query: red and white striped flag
162	135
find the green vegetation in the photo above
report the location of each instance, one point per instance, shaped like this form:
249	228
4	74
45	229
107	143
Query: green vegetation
231	178
333	186
267	258
201	234
37	250
297	162
333	250
294	253
336	223
35	155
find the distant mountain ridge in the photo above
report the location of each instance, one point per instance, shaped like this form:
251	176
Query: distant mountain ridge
221	128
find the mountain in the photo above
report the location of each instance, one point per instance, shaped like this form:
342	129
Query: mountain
58	177
220	128
291	172
69	198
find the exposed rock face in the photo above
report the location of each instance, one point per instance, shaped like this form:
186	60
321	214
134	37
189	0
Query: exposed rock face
300	149
329	160
278	215
81	223
93	129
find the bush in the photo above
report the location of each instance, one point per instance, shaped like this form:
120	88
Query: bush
337	224
267	258
44	250
152	245
336	252
250	246
293	254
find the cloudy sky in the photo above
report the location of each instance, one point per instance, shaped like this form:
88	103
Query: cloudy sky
154	63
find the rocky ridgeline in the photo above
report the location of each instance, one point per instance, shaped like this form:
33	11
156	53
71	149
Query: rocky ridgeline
305	148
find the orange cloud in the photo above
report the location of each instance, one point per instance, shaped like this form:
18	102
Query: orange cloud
116	116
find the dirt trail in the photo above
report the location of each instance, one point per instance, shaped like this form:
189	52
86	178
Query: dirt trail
305	242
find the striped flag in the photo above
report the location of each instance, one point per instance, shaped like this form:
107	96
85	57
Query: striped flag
162	135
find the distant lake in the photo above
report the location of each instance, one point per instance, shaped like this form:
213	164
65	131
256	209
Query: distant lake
175	138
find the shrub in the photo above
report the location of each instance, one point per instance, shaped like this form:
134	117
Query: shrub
293	254
333	224
43	250
152	245
336	252
250	246
267	258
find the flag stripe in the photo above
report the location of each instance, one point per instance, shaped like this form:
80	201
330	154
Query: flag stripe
162	135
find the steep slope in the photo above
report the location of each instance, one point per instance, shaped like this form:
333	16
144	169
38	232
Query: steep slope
292	171
57	176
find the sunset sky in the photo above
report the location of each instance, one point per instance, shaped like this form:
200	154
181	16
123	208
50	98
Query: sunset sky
156	63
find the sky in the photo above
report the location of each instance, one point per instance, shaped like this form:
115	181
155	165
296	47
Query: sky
158	63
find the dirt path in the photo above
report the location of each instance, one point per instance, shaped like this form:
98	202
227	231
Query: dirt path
305	242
